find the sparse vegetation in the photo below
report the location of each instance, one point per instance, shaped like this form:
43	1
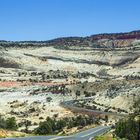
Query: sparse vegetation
53	126
100	72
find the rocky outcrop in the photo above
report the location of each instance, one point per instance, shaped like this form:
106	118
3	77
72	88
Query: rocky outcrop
8	63
6	60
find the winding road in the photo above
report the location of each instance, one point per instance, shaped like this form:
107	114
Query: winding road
84	135
70	105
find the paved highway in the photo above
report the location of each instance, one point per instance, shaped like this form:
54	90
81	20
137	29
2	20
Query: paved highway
69	105
84	135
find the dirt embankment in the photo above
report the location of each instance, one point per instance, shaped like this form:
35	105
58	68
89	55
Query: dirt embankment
6	133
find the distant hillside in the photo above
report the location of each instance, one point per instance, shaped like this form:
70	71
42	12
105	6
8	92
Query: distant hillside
98	40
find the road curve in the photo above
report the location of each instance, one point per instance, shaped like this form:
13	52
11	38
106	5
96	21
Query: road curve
69	105
84	135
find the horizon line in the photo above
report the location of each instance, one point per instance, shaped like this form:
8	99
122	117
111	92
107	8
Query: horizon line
138	30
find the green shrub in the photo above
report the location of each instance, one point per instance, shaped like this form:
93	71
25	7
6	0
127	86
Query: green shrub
129	127
9	123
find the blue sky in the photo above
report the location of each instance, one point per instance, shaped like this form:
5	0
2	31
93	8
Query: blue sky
48	19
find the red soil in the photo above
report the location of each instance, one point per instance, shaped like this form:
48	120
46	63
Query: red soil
18	84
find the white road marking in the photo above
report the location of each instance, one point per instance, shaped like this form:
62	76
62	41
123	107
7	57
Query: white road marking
92	132
80	136
59	138
91	138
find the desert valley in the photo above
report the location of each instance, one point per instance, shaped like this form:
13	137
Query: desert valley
40	79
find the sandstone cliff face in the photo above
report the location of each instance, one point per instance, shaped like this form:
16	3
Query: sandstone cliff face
99	40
